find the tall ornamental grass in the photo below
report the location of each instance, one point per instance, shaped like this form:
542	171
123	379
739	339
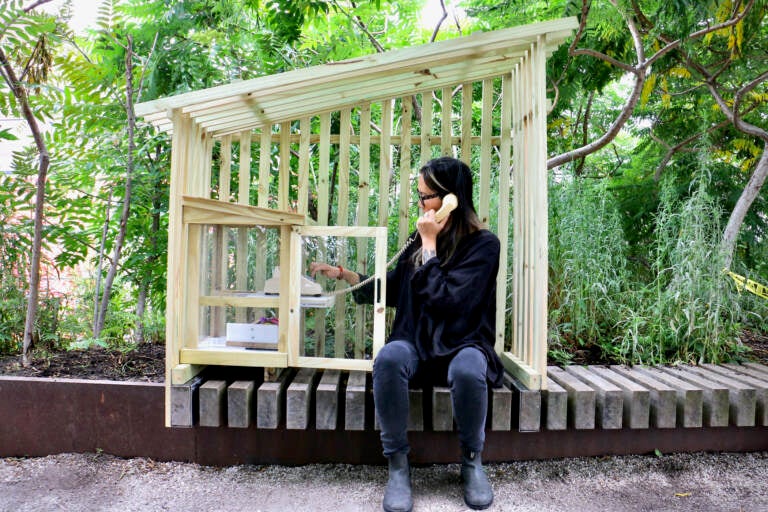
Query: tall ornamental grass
689	312
588	272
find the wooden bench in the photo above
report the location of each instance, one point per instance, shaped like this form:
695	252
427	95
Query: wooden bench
578	397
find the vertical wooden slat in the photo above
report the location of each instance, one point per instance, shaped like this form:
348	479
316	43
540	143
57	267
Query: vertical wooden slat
305	126
405	170
222	240
526	296
505	149
345	127
265	166
517	259
293	336
196	187
486	152
385	161
207	265
262	200
364	188
528	235
540	228
174	310
303	199
466	123
446	148
322	211
284	180
243	197
426	127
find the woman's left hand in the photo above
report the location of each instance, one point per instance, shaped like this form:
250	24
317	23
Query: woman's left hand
428	226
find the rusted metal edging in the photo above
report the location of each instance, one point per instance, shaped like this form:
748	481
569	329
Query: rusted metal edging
48	416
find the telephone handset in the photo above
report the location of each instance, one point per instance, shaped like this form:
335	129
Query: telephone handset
450	202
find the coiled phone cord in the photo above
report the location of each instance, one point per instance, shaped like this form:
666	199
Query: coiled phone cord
369	279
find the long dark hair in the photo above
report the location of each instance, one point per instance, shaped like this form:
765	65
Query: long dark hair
447	175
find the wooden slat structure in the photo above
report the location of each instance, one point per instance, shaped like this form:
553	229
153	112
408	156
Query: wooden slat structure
581	398
323	161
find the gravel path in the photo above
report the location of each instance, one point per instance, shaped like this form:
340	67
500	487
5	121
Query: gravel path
680	482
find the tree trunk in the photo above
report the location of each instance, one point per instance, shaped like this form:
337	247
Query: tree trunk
747	197
131	121
141	303
20	93
100	264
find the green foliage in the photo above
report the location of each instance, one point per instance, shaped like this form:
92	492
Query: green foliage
688	313
588	274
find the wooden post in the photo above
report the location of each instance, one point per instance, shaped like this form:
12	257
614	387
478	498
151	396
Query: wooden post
364	187
405	170
345	126
446	147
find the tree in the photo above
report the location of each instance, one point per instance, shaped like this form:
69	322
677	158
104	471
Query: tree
673	50
20	28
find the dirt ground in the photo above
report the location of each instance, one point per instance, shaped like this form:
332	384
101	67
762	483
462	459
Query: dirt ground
680	482
147	362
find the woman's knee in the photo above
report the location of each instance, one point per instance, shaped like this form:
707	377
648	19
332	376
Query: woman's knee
468	366
395	355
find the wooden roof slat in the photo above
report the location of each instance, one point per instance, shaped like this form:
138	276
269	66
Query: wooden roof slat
310	101
379	70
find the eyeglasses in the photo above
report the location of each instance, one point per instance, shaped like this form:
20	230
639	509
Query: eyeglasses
426	197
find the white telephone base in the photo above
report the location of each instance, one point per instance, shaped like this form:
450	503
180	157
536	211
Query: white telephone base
308	285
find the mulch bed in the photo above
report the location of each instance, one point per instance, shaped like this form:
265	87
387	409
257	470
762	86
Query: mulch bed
146	362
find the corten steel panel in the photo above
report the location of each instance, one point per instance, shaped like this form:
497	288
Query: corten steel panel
47	416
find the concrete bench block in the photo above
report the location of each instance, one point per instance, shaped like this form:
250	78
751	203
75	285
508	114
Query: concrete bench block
416	410
716	409
240	403
609	399
663	398
501	407
442	409
213	403
526	403
354	401
270	401
298	402
759	383
637	399
743	369
581	398
185	402
757	367
327	400
555	405
690	398
742	397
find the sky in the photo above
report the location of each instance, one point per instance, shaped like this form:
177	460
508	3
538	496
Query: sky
84	13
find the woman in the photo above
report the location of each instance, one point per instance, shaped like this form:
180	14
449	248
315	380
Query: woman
444	288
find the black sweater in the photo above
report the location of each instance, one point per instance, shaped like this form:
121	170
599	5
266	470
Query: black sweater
442	309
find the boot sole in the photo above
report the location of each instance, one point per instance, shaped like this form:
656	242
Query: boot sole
478	507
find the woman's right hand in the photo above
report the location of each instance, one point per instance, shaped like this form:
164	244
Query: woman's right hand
329	271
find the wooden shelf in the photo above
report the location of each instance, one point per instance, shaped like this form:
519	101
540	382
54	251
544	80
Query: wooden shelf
198	210
262	300
234	356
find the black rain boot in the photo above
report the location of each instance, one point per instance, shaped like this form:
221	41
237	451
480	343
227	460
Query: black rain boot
478	494
397	496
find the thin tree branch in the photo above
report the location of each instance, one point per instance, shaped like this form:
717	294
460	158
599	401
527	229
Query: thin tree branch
440	22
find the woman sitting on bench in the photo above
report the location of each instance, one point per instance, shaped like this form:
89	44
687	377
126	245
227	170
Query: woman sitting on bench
444	289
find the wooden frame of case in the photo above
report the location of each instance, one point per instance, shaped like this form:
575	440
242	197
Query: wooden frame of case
293	111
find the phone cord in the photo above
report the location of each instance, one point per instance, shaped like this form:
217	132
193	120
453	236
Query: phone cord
371	278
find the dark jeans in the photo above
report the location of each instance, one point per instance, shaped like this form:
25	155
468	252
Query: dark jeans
397	363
